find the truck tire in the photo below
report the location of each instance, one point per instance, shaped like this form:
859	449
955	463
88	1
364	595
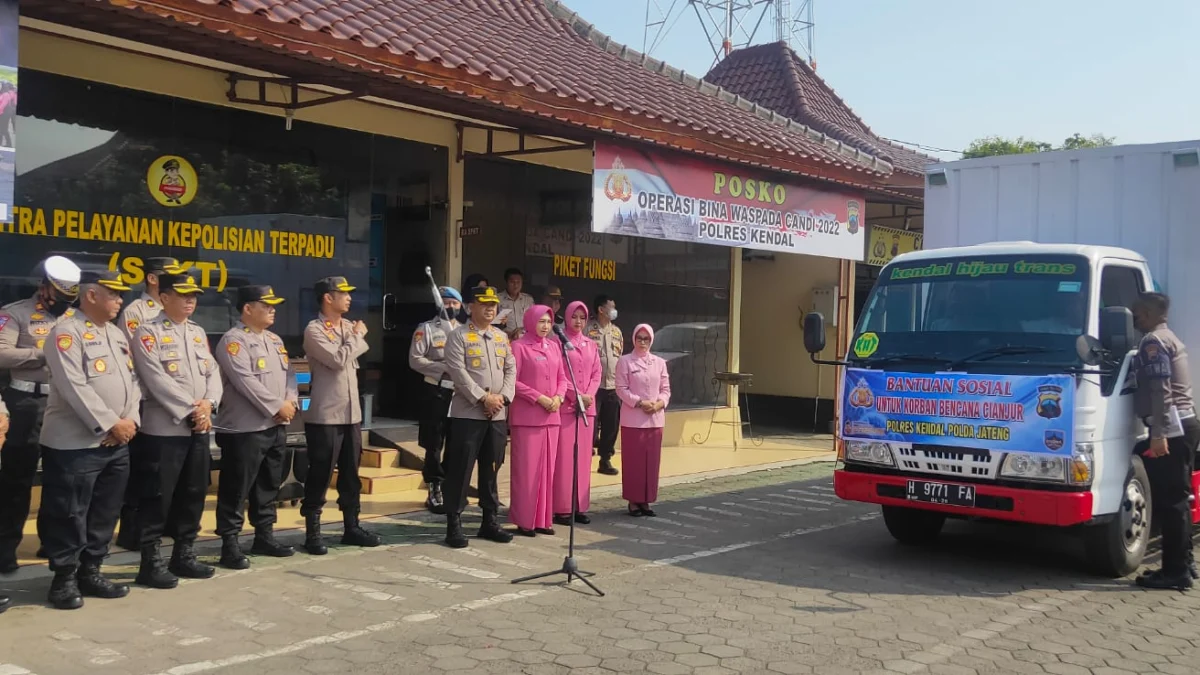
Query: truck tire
913	526
1116	548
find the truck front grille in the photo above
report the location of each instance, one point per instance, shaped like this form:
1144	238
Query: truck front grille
949	461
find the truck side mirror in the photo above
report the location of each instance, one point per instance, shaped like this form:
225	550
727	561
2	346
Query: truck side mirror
814	333
1117	333
1091	352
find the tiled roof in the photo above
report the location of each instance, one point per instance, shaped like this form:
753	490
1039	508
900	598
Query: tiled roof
775	77
534	57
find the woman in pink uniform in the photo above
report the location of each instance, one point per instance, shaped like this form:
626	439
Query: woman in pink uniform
533	421
644	390
585	360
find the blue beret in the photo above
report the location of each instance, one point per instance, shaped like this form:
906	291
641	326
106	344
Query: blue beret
450	292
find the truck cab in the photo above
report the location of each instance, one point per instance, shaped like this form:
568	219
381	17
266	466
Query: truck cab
993	382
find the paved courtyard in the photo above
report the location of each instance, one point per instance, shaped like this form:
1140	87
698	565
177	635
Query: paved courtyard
763	572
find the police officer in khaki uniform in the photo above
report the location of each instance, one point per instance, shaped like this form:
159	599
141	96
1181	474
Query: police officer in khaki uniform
426	357
261	399
333	421
480	363
1164	395
608	338
170	457
91	415
134	315
25	326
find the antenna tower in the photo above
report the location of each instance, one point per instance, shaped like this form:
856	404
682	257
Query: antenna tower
733	24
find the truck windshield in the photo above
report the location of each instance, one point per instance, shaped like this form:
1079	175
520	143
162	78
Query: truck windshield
1011	308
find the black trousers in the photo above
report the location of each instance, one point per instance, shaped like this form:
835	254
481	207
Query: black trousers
332	446
1170	486
18	464
81	499
472	441
608	422
251	466
170	475
431	435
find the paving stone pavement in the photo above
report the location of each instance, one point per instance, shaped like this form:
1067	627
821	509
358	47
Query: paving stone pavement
766	572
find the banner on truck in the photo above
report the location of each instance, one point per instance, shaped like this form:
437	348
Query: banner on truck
643	193
1017	413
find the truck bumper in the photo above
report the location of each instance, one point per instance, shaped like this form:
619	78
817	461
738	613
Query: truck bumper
991	501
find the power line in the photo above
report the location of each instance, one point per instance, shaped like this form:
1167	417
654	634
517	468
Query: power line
921	146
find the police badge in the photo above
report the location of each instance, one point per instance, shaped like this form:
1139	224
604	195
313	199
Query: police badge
852	210
1049	402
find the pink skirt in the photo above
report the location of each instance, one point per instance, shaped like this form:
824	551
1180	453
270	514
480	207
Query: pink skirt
534	450
641	456
563	469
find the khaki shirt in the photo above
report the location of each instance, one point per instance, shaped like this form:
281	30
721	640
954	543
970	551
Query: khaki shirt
176	370
93	384
427	353
1162	379
479	363
24	328
516	320
612	345
139	312
332	348
258	378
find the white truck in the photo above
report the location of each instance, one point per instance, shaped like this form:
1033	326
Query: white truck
988	375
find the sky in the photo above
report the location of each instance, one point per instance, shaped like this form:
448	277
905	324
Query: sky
942	73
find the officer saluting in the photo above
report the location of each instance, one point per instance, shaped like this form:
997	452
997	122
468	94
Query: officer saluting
134	315
260	401
1163	399
170	458
25	326
481	365
426	357
333	421
91	415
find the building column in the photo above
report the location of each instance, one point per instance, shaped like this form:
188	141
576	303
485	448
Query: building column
455	214
735	335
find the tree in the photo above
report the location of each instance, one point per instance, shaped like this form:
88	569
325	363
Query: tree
990	146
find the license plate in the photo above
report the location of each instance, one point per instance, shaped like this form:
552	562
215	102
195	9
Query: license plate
941	493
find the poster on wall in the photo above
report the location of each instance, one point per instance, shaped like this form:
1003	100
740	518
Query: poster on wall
645	193
8	106
886	243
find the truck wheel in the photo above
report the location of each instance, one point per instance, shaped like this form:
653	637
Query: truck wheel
1116	548
911	526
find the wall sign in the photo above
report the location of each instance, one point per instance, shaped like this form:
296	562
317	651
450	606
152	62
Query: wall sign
172	181
886	243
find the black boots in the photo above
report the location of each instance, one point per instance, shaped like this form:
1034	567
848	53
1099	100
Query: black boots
490	529
153	572
232	557
607	468
184	563
313	543
5	603
355	535
435	502
95	585
265	544
454	534
8	561
64	591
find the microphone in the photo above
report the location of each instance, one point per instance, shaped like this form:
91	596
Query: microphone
563	338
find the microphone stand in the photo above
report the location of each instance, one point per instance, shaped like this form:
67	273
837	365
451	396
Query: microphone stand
569	566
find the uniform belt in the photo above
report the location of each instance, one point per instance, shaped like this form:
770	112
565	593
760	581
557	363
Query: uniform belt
28	387
444	384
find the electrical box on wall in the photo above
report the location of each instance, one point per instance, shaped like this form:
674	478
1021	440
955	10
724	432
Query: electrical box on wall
824	300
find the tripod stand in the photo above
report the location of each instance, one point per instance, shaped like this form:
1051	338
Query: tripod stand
569	566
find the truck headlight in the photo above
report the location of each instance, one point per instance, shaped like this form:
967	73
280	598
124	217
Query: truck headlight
1034	467
869	452
1081	464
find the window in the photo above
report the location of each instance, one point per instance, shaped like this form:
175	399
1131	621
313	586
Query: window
1119	286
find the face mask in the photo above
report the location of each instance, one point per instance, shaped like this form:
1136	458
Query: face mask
57	306
612	315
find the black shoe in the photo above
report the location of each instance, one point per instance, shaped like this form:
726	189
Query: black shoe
153	572
1162	581
184	564
313	542
544	530
526	533
232	557
454	534
647	511
8	563
435	502
583	518
265	544
635	511
5	603
353	534
565	521
95	585
607	468
492	531
64	591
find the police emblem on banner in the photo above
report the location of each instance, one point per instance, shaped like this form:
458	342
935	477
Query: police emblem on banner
1054	439
852	216
1049	402
861	396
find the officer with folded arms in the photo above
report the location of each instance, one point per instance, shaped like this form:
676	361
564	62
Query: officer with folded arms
91	415
25	326
261	399
426	356
170	458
